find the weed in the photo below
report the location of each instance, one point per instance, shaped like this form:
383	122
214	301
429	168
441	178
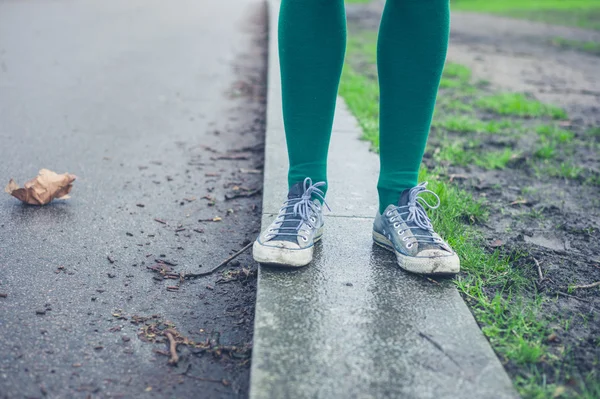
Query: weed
495	159
594	132
554	132
453	104
362	97
581	13
461	123
457	71
564	169
546	148
518	104
587	47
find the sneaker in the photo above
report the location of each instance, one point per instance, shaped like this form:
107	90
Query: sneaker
406	230
289	240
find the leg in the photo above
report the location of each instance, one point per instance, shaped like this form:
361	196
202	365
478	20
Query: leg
312	41
411	51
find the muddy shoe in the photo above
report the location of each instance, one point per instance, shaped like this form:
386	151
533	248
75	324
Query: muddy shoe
289	240
406	230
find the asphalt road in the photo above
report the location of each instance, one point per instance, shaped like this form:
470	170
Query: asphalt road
140	99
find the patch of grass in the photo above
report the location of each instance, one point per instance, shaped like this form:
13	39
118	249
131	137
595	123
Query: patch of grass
461	123
495	159
457	71
518	104
455	153
594	132
581	13
469	124
555	133
446	83
564	169
547	150
362	97
454	104
587	47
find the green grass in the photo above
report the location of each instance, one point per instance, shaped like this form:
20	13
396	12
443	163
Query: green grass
362	97
587	47
555	133
517	104
563	169
495	159
580	13
469	124
546	149
457	71
594	132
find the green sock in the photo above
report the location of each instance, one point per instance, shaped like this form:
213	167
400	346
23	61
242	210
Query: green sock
312	42
411	51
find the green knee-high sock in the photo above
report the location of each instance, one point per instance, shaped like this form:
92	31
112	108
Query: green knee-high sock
312	42
411	51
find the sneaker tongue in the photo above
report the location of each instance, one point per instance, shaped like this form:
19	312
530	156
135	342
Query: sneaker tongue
296	191
403	201
404	197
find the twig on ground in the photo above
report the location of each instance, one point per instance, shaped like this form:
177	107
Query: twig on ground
203	379
220	265
432	281
172	347
539	269
3	295
572	296
585	286
239	194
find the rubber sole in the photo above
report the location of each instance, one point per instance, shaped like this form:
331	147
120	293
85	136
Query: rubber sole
438	266
284	257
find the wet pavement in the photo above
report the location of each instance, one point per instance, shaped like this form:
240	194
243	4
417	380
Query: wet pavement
158	108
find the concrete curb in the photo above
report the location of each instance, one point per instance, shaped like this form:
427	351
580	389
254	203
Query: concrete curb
352	324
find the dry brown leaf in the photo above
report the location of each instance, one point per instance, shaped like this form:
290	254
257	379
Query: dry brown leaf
496	243
42	189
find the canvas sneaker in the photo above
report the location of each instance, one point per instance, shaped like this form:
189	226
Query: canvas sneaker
289	240
406	230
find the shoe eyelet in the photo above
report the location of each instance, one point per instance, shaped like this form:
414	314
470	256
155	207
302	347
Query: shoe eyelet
312	219
304	238
396	225
401	232
410	245
388	213
405	239
393	219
